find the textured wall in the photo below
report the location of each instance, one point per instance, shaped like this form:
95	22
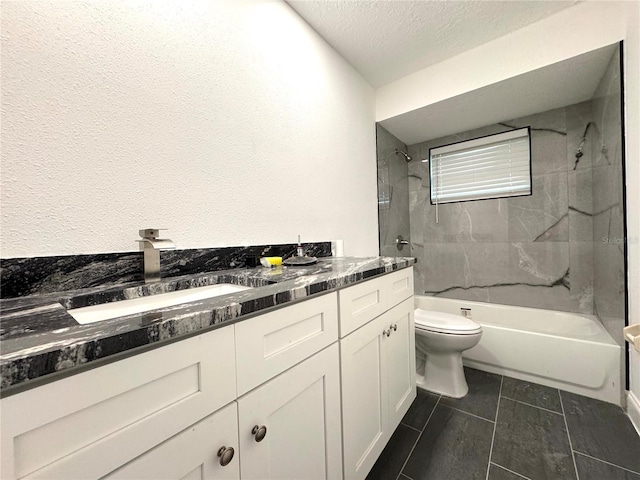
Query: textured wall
228	122
532	251
393	193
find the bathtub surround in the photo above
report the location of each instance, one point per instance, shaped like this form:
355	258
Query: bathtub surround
393	193
42	275
550	250
514	251
39	337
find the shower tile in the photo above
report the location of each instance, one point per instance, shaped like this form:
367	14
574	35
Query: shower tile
393	456
609	280
453	445
538	217
592	469
496	472
548	149
581	275
531	393
578	117
532	442
548	140
551	298
601	430
420	409
469	265
482	399
542	263
580	226
581	190
476	221
607	187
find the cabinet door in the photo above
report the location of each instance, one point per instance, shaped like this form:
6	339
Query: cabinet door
89	424
192	454
364	402
400	360
301	412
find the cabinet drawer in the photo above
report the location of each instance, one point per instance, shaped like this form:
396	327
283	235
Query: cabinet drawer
192	454
269	344
365	301
98	420
362	303
400	285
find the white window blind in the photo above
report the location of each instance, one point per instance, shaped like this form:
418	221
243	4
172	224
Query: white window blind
488	167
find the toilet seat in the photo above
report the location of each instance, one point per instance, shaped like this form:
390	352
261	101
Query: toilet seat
440	322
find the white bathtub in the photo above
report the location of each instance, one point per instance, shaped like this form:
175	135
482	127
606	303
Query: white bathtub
569	351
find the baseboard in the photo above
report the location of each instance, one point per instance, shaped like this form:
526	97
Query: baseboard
633	410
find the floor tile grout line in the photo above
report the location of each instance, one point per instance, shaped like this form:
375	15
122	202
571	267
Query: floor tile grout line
417	440
510	471
495	424
462	411
531	405
608	463
566	425
409	426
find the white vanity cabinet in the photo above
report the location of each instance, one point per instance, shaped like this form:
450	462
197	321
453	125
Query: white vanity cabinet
377	367
309	391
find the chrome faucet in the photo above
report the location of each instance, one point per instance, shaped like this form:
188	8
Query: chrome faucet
151	246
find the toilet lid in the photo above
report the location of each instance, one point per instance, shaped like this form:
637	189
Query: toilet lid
441	322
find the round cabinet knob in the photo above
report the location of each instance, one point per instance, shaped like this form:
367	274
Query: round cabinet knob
259	432
394	327
386	332
226	455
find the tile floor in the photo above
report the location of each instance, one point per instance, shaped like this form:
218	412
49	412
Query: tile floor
507	429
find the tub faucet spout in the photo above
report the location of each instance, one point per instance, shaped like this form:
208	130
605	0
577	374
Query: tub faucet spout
151	246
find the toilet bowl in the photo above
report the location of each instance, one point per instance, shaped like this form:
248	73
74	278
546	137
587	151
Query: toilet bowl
441	338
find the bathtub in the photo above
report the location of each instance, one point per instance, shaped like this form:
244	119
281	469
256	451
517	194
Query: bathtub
563	350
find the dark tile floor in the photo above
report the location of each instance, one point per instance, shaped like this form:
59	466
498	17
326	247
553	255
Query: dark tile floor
507	429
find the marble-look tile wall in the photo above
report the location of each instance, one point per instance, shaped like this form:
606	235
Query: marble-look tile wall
393	193
533	251
608	213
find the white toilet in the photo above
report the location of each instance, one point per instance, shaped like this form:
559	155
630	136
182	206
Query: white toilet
441	338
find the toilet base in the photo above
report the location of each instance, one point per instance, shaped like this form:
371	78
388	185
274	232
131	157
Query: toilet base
444	375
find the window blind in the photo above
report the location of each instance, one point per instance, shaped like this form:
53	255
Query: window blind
488	167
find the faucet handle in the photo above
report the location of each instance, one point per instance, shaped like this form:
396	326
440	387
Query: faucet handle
150	232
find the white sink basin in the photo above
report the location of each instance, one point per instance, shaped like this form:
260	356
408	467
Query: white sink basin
105	311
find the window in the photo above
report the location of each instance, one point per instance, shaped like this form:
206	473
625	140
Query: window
489	167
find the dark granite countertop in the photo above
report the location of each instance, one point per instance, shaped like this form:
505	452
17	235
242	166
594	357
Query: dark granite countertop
40	341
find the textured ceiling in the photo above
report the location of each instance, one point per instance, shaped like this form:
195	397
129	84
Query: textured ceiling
389	39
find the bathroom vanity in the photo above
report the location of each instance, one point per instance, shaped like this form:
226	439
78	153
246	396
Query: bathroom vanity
311	387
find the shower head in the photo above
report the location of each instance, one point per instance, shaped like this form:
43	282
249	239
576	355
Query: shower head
405	155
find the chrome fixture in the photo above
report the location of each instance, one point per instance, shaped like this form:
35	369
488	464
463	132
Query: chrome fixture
406	156
151	246
401	242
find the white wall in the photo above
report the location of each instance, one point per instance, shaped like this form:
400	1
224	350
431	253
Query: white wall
227	122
